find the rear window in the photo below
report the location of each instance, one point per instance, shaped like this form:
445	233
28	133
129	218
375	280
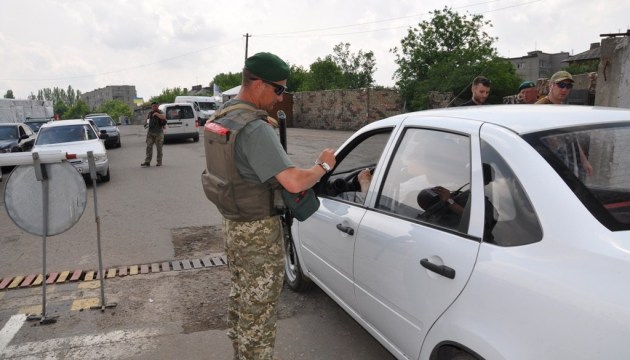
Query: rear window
179	112
595	163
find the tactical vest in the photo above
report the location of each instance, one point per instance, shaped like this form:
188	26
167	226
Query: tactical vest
236	198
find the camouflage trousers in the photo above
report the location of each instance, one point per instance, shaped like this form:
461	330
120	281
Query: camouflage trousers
158	140
255	253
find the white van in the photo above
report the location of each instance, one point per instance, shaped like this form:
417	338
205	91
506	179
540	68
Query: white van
181	122
204	106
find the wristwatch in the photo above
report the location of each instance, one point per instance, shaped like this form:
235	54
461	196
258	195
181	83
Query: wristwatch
324	165
450	201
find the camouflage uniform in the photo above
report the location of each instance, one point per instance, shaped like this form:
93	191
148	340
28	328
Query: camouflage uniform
255	253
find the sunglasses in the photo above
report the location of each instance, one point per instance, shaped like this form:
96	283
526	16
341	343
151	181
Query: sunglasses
565	85
277	88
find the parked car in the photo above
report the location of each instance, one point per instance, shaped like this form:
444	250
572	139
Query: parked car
487	232
181	122
16	137
75	137
105	123
36	123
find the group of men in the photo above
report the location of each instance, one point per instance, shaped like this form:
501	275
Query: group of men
560	85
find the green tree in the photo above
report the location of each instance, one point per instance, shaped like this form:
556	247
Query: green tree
324	74
227	81
168	95
584	67
358	70
298	79
76	111
115	109
9	95
444	54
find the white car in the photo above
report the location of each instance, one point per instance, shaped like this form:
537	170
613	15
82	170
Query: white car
181	122
75	137
487	232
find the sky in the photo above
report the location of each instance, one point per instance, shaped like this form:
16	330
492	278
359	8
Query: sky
164	44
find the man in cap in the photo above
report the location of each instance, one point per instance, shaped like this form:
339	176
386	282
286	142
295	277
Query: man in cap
156	120
560	86
244	153
480	89
527	93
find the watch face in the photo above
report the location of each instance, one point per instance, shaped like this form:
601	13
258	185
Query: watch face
326	166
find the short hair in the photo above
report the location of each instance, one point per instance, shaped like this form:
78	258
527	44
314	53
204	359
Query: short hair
482	80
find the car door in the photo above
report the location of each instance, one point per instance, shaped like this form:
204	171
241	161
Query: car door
327	238
414	252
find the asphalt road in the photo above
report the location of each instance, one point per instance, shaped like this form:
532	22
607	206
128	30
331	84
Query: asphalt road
155	216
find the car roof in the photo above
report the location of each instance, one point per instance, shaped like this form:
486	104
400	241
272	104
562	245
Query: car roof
176	104
9	124
65	123
96	114
522	119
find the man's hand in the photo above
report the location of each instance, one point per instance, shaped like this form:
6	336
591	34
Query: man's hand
328	156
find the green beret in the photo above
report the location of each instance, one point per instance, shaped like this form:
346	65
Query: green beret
267	66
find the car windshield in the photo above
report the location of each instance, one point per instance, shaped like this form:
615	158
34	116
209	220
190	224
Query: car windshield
207	106
8	132
103	121
62	134
35	125
595	163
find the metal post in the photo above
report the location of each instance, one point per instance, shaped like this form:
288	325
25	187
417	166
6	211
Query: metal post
42	175
93	176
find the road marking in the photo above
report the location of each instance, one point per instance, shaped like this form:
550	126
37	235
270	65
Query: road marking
112	345
10	329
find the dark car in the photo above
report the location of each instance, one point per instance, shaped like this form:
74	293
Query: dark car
105	123
36	123
16	137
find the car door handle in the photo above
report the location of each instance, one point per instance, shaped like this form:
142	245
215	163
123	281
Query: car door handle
347	229
439	269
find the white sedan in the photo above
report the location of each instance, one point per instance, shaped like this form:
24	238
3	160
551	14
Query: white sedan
486	232
75	137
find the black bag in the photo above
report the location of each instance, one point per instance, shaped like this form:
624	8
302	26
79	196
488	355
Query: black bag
302	205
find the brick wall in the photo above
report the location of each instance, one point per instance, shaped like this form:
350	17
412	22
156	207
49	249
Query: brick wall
343	109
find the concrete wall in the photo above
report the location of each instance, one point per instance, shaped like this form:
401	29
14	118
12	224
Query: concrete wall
613	75
344	109
12	110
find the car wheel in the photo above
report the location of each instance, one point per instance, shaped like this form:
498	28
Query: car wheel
293	275
106	177
119	144
196	138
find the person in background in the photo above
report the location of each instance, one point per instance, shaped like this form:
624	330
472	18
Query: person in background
156	120
560	86
527	93
254	163
480	91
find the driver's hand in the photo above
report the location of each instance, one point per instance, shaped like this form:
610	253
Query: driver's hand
443	193
364	177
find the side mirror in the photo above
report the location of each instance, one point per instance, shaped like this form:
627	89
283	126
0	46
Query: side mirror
103	135
118	123
24	136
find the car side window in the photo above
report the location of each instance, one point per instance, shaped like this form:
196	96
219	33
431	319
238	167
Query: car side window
428	179
22	132
510	219
362	154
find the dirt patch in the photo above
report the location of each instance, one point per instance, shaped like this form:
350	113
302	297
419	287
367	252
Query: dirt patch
197	241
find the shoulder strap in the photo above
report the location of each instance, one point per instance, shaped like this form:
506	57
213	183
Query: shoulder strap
241	106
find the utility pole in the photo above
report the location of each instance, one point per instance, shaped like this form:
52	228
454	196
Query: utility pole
247	36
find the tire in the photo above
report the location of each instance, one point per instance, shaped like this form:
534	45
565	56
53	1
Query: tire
106	177
293	276
196	138
119	144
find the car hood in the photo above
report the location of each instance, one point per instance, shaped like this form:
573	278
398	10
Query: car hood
8	143
76	147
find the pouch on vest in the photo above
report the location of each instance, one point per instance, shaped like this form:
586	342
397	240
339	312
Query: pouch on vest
302	205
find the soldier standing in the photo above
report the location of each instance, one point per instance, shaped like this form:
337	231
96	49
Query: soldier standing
246	164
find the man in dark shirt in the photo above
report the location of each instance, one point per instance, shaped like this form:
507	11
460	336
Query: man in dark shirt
480	91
